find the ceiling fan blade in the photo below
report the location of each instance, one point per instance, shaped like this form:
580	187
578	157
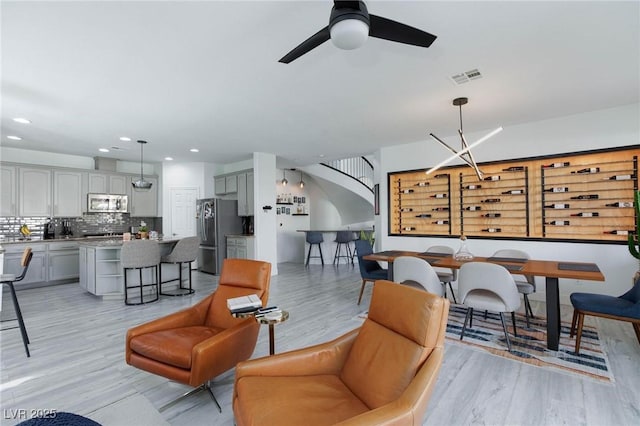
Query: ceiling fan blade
395	31
309	44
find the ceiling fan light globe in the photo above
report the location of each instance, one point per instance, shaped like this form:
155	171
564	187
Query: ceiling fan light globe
349	34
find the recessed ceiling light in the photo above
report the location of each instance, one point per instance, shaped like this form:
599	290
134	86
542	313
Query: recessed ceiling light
194	150
125	139
103	150
14	138
168	158
21	120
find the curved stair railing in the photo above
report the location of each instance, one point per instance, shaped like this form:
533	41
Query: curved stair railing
358	168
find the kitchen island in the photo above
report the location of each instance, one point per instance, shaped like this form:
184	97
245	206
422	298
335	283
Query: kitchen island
101	271
329	244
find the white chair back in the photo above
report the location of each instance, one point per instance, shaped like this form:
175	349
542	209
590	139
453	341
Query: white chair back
490	277
448	250
409	268
517	254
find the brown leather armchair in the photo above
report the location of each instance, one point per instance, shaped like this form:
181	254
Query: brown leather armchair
196	344
380	374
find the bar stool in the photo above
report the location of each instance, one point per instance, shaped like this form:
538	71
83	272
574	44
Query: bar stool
343	238
8	280
314	238
184	252
140	254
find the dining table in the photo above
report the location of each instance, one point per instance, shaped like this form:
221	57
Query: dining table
551	270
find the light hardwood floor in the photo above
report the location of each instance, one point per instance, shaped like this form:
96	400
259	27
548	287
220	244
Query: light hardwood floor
77	362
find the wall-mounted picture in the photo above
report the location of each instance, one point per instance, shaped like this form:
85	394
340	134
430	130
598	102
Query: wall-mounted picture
278	210
376	199
288	210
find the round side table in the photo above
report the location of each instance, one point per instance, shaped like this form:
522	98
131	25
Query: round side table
271	323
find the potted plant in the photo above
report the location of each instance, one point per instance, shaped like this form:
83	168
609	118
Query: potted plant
144	232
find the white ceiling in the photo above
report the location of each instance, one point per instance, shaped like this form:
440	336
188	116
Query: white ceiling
206	75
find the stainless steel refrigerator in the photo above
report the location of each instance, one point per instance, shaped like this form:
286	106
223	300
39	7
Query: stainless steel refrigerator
216	218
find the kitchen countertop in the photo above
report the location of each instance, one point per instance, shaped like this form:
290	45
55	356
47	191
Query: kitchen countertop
95	242
19	240
240	235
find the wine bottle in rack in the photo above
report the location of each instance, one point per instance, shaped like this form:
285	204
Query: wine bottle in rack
423	215
586	214
473	208
441	222
587	170
557	206
440	209
622	177
422	184
556	165
473	187
491	200
513	169
617	232
406	210
492	215
409	228
441	175
438	196
514	192
620	204
557	189
492	230
407	191
558	223
494	178
585	197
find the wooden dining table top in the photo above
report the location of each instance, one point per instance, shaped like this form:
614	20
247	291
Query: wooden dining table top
544	268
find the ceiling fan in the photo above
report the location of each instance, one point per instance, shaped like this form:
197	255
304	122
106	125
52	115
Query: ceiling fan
349	26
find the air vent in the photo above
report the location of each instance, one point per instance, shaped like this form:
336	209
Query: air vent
465	77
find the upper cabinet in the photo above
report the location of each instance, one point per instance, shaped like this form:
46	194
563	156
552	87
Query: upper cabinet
121	185
98	183
104	183
67	193
245	194
144	203
226	185
8	191
34	192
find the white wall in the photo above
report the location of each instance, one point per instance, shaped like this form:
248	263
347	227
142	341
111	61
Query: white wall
594	130
291	242
264	194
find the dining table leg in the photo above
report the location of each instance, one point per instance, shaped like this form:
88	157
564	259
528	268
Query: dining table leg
553	313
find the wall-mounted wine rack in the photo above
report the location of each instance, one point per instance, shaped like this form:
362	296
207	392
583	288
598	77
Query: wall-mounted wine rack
584	196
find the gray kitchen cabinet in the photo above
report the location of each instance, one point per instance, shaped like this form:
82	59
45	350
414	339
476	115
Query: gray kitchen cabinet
245	194
67	193
8	191
37	271
34	192
226	185
120	185
98	183
64	258
240	247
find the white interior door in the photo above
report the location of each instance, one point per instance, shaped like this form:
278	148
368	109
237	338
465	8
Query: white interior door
183	212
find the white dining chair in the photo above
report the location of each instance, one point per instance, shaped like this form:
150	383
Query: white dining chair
526	283
415	272
488	287
446	275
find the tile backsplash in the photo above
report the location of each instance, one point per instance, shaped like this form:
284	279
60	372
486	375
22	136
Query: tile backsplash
88	224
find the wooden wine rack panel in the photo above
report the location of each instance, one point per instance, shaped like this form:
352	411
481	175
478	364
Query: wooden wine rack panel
586	196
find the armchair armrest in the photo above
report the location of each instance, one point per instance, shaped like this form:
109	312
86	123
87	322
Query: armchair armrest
325	358
194	315
223	351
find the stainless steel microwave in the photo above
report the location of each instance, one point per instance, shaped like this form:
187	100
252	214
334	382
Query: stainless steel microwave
107	203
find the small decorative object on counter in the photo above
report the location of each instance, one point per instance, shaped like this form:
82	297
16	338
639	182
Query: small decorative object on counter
463	252
143	231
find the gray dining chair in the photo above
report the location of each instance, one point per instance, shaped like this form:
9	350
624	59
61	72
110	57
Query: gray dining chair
416	272
138	255
526	283
446	275
488	287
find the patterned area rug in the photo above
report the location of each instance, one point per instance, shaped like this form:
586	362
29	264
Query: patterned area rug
531	344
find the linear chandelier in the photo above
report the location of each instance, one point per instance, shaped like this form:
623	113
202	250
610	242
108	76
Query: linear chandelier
465	153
